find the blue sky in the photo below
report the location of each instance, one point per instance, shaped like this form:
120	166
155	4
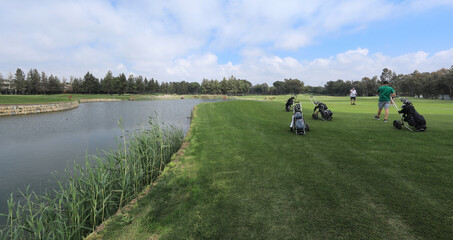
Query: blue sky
262	41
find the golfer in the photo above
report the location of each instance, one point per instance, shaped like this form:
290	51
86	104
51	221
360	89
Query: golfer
353	94
385	93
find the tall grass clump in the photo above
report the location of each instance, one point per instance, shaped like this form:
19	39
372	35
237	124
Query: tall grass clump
88	193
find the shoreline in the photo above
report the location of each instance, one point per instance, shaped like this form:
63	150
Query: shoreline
175	159
33	108
25	109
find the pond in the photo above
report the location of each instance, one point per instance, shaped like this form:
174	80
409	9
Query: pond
34	146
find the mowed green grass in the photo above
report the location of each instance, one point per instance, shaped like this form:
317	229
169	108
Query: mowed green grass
246	176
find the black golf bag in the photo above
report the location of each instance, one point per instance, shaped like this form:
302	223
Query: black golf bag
411	116
298	123
289	103
320	109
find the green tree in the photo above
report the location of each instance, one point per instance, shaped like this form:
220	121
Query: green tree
19	83
216	87
121	84
279	88
90	84
294	86
44	86
338	88
260	89
77	85
131	84
224	86
244	87
194	88
33	79
108	83
444	83
139	85
55	85
206	86
388	75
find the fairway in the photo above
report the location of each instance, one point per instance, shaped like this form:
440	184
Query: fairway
244	175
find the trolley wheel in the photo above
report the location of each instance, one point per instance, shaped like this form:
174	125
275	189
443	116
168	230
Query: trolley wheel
397	124
307	128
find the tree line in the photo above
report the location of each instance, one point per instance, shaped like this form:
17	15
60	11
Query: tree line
32	83
38	83
415	84
427	85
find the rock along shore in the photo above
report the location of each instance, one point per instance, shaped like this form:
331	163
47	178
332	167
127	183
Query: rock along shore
22	109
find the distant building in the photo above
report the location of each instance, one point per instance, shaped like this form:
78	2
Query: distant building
67	87
5	86
444	97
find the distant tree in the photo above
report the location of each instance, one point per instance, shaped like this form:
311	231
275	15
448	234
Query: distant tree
224	86
32	81
244	86
279	88
121	84
108	83
139	85
369	86
388	75
261	89
145	85
153	86
216	88
194	88
294	86
205	86
130	84
19	83
77	85
54	85
318	90
337	88
44	85
90	84
444	83
170	88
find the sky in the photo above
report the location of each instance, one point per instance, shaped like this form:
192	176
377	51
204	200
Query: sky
261	41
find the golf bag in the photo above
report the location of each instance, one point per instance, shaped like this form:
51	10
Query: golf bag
289	103
320	109
298	124
411	116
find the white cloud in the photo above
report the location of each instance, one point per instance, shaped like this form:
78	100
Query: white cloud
174	40
422	5
349	65
201	66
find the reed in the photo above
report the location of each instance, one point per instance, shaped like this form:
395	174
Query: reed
90	192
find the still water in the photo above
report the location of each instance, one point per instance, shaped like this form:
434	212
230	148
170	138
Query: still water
34	146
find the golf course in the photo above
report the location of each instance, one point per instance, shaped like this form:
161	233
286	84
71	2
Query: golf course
242	174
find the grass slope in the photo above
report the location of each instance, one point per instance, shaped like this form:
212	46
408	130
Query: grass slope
246	176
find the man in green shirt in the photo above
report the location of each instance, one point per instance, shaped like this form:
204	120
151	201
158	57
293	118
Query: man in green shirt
385	93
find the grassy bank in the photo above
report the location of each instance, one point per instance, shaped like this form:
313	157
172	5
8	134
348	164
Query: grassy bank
244	175
90	193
